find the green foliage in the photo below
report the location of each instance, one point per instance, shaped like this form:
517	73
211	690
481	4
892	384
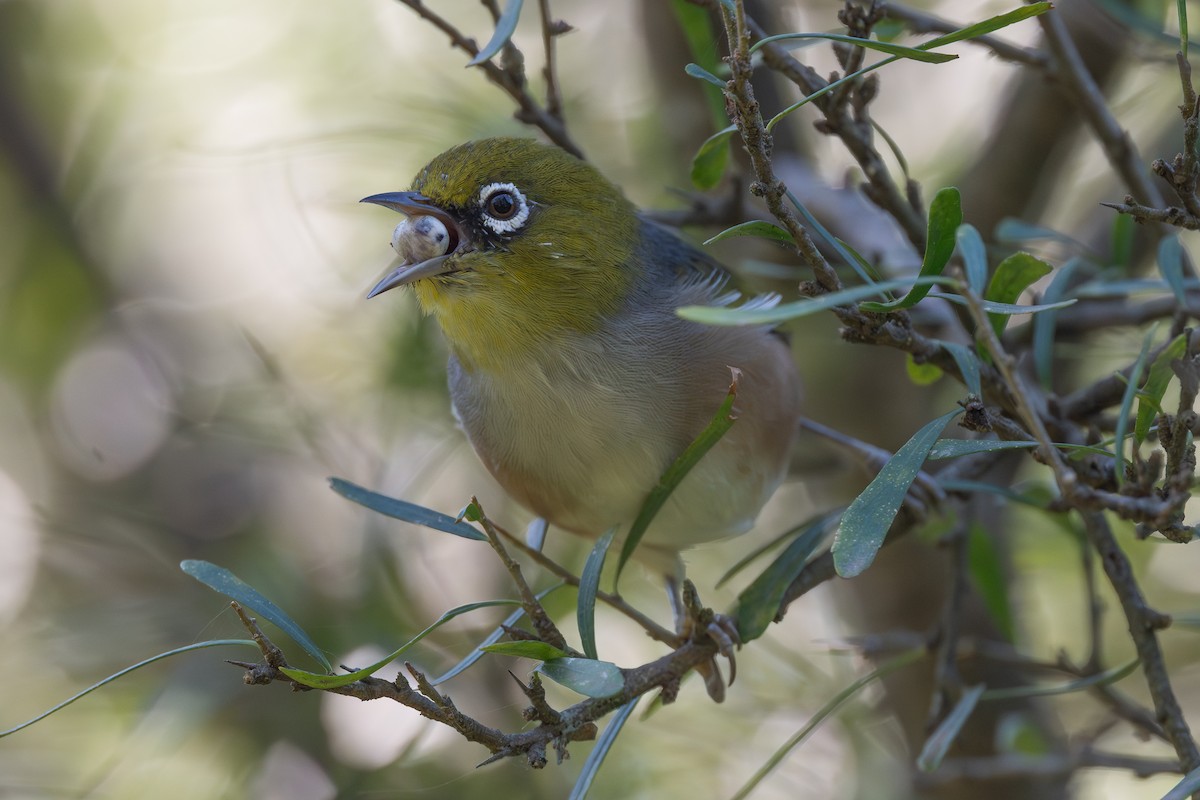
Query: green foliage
222	580
506	26
865	523
1013	275
403	510
758	603
945	216
721	422
948	730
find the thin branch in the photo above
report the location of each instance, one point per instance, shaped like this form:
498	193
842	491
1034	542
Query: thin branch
1089	100
920	22
1144	623
528	109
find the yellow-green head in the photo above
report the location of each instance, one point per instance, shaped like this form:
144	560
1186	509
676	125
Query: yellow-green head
509	242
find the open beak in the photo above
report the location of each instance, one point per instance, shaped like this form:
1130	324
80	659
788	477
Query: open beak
421	255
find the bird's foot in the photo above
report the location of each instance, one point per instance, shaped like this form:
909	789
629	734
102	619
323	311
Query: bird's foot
693	621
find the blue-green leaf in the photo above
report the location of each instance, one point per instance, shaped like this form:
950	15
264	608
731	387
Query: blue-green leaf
1186	787
865	523
758	603
603	745
974	256
945	215
1131	388
956	448
826	711
755	227
697	71
1170	264
968	366
496	635
993	307
399	509
1044	324
506	25
940	740
589	584
1111	675
318	681
121	673
222	580
722	315
585	676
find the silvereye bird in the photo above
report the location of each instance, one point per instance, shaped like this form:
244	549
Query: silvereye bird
573	377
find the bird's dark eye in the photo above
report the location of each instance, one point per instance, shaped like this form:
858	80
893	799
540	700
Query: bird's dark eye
504	208
502	205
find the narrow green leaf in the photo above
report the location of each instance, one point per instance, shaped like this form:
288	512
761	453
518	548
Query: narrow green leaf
399	509
699	30
496	635
1128	287
721	422
991	488
866	522
956	448
940	740
1123	232
538	651
755	227
993	307
585	676
833	241
990	25
697	71
177	651
1151	395
1181	12
722	315
758	603
1011	230
1170	264
589	584
708	165
865	267
1104	678
603	745
222	580
914	53
775	541
1191	782
1131	388
505	27
826	711
987	574
968	366
974	256
317	681
979	29
945	216
1013	275
1044	324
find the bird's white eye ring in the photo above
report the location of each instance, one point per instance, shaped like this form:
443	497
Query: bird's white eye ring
505	209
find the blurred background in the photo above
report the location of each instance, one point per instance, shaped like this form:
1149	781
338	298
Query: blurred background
186	355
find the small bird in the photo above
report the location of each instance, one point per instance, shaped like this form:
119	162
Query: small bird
573	377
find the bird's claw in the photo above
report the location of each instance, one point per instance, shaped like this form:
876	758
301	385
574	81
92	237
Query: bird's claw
695	621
